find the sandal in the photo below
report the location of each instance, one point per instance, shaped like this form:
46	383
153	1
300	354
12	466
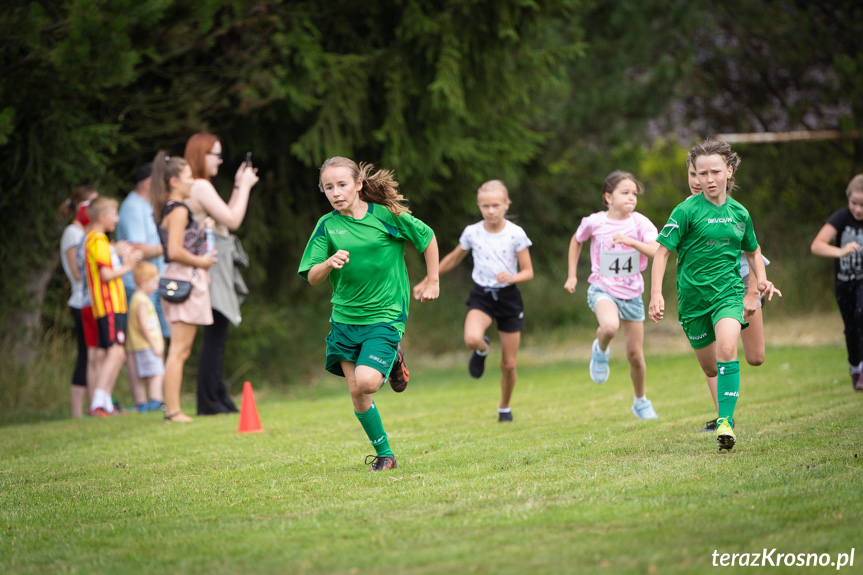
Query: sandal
181	417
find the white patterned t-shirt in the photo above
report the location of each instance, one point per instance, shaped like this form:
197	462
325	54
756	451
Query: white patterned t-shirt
493	253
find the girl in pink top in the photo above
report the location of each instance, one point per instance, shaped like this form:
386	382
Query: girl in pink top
621	240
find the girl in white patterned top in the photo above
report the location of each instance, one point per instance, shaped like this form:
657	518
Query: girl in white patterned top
501	260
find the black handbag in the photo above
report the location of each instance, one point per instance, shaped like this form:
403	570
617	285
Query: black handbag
174	291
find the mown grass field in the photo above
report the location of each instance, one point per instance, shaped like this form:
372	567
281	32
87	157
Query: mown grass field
575	485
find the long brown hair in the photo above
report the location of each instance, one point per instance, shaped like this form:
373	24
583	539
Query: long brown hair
378	187
79	195
710	147
197	148
165	167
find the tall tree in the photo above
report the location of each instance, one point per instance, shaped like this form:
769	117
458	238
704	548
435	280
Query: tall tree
445	92
86	86
778	65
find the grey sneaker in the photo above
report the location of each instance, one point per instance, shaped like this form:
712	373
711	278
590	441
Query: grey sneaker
501	417
599	363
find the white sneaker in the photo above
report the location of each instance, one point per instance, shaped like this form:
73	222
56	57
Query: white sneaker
644	409
599	363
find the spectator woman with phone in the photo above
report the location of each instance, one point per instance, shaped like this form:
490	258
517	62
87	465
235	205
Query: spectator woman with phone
204	154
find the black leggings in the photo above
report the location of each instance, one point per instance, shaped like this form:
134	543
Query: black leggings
213	395
79	376
849	296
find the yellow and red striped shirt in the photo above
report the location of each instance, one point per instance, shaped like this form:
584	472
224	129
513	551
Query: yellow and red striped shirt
107	297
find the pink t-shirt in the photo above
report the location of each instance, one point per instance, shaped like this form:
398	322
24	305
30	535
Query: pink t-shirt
616	268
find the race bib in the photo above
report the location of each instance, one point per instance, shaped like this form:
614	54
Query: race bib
618	264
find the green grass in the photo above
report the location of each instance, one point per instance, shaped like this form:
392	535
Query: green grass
575	484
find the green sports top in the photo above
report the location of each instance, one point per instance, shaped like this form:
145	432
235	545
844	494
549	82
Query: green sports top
708	239
373	287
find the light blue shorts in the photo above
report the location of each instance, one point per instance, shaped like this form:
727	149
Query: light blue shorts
629	309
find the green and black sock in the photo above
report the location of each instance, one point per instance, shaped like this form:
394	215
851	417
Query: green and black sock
728	388
374	428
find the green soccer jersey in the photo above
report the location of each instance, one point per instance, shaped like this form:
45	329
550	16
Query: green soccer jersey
373	287
708	239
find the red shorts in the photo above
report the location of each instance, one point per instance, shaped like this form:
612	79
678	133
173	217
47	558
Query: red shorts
112	330
91	334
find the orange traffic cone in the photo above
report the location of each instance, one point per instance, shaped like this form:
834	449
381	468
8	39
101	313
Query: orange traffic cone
249	420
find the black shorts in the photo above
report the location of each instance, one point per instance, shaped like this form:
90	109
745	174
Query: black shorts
502	304
111	329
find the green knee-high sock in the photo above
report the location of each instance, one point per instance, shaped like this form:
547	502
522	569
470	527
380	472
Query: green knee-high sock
374	428
728	387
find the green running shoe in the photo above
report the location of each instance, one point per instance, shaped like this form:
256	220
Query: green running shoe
725	437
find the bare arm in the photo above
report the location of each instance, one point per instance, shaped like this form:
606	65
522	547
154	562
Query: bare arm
149	251
141	312
821	244
525	270
446	265
646	248
230	214
656	310
129	262
320	272
757	270
572	264
72	259
245	177
452	260
175	223
431	290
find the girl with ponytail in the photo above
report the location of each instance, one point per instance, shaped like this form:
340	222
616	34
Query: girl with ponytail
73	235
183	246
360	247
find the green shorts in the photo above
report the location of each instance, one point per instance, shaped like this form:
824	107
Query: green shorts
375	346
699	329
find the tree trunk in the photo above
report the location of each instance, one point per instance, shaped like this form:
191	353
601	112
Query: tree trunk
23	324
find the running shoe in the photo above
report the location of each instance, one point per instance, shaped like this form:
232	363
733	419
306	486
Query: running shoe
155	405
98	412
599	363
380	463
725	437
476	365
709	426
399	374
501	417
856	382
644	409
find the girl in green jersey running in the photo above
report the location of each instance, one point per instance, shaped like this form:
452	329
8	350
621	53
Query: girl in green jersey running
709	231
752	336
359	247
